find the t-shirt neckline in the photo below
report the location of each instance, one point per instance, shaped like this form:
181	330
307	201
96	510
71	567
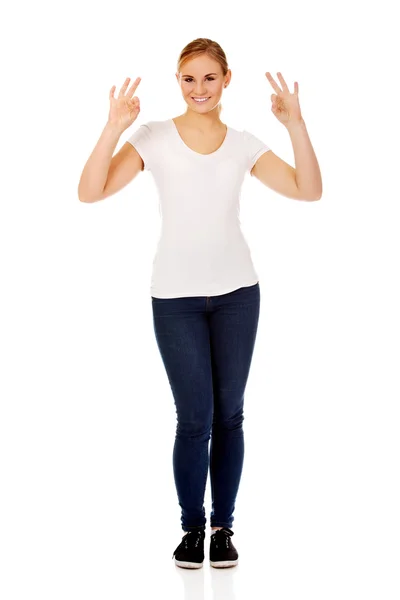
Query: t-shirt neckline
194	151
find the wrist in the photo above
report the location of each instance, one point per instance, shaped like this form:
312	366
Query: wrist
114	128
295	125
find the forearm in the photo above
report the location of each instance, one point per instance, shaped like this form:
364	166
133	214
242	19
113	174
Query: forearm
95	172
308	174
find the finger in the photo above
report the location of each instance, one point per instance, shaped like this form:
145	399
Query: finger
123	88
296	87
133	87
283	82
273	82
112	92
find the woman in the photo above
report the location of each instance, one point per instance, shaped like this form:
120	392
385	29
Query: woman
205	291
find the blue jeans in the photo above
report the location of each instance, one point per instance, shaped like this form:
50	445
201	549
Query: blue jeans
206	344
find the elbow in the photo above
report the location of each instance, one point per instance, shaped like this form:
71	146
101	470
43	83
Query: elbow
319	195
81	198
84	195
84	199
315	197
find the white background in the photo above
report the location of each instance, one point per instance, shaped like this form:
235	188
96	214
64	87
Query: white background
88	507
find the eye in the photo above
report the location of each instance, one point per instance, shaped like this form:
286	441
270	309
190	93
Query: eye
190	79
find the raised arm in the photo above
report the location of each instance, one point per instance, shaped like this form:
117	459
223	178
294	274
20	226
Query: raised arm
105	174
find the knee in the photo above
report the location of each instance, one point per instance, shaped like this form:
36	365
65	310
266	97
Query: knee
198	430
231	423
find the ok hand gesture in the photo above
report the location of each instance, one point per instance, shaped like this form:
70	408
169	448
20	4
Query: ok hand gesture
285	106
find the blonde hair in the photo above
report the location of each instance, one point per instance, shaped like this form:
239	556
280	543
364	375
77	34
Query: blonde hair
204	46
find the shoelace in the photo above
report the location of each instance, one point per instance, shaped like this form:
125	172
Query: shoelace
185	540
219	534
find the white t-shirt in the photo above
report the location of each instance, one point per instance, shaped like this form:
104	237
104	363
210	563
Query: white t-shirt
201	250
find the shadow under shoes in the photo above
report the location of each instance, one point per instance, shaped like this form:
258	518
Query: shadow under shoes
222	552
190	552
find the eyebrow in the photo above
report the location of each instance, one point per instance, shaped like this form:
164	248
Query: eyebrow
204	75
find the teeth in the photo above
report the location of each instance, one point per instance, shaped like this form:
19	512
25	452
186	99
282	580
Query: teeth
200	99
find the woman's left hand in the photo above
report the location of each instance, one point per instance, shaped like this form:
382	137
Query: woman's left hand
285	106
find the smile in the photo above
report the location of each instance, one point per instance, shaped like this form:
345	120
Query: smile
200	100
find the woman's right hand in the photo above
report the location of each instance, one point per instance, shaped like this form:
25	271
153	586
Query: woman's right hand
124	109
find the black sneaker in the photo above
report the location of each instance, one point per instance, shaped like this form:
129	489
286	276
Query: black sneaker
222	552
190	552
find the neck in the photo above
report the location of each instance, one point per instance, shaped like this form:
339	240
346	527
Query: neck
205	122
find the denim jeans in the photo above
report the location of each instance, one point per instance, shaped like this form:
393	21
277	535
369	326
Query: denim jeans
206	344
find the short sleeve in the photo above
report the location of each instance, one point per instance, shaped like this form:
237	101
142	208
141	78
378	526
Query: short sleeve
254	148
141	139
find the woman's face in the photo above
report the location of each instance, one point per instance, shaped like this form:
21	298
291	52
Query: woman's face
202	77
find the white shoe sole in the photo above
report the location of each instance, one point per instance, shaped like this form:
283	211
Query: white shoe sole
188	565
221	564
